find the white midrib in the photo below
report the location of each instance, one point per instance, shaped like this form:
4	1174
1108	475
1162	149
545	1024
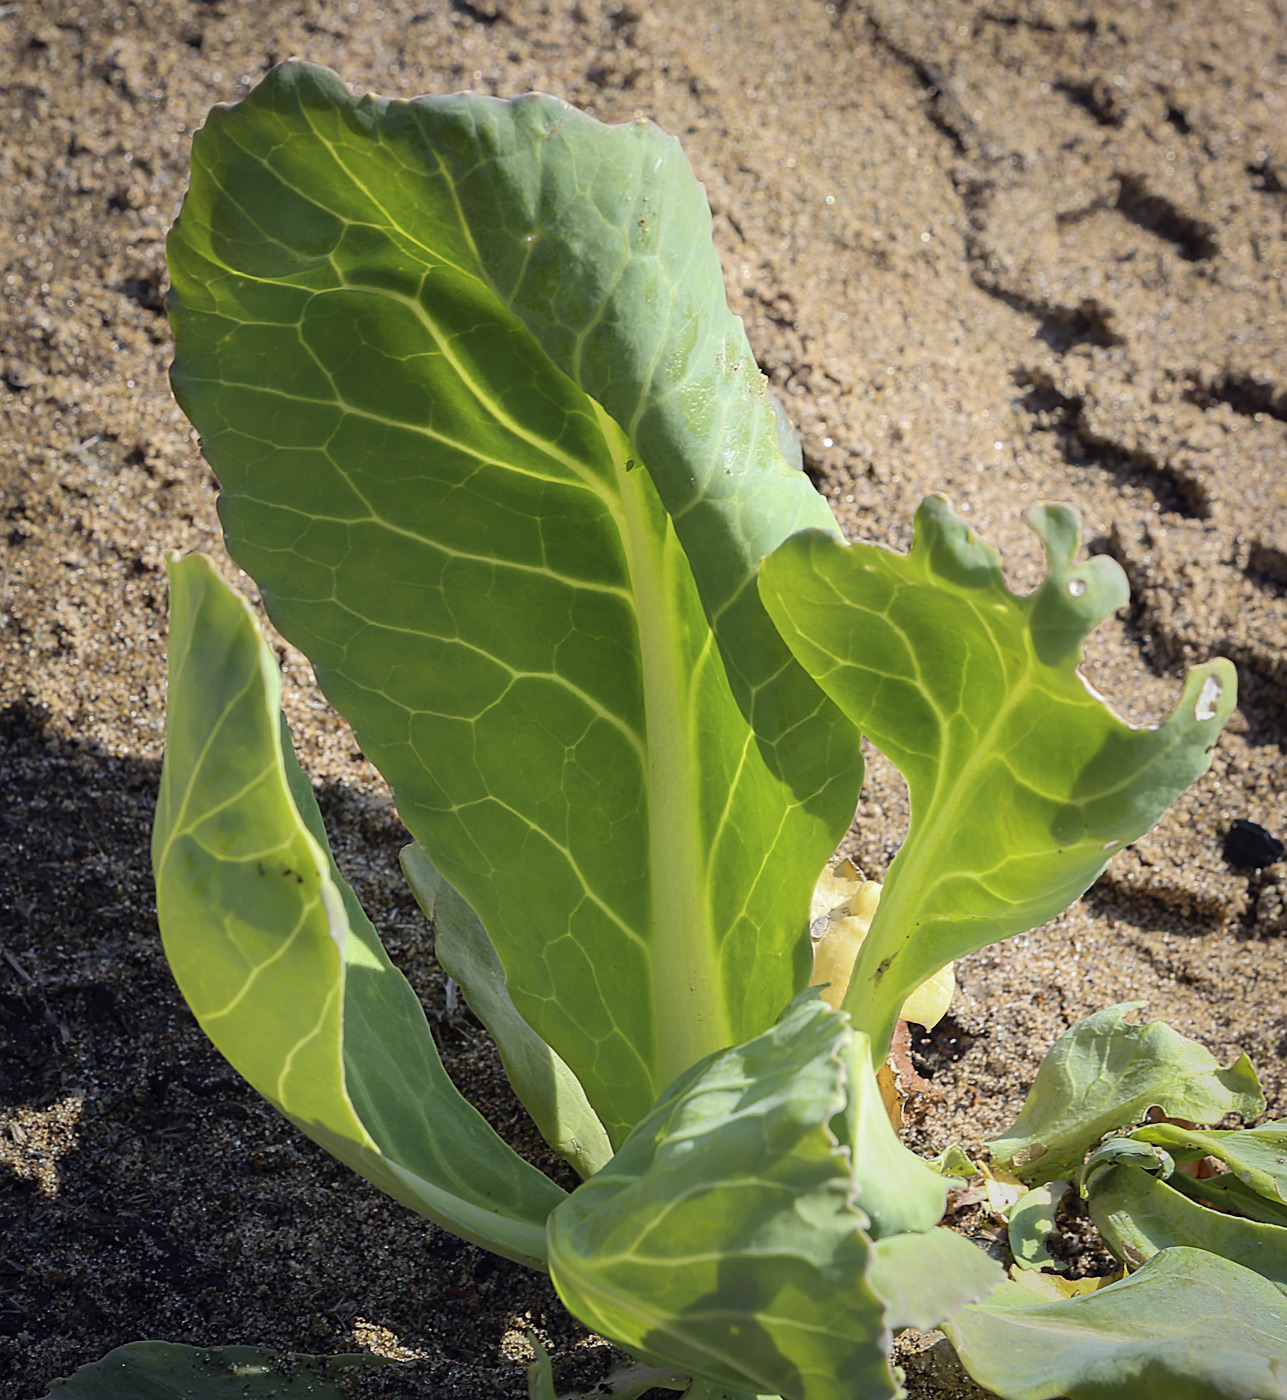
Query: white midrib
689	1014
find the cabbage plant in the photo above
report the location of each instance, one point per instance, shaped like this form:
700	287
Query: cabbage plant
500	462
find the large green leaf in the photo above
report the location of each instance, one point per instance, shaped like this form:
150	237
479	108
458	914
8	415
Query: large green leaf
276	959
1104	1074
727	1239
449	358
1022	782
549	1090
1187	1326
168	1371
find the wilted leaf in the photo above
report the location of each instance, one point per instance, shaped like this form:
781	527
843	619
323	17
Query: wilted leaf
1051	1288
844	905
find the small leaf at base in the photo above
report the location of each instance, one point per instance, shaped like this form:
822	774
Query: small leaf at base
164	1370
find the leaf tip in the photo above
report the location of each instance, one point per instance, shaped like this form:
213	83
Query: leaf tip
1073	599
1212	691
950	547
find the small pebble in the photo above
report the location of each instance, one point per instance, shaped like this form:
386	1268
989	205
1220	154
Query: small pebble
1250	847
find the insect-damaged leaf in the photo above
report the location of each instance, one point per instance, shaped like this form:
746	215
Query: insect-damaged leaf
1022	782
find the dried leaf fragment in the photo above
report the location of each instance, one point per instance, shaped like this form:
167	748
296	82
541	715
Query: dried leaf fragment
844	904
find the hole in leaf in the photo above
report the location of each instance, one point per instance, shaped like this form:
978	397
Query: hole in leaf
1208	699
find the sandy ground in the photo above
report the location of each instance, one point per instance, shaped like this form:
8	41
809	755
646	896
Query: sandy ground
1016	250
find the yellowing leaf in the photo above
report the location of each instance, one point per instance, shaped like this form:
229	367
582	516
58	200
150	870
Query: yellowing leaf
839	882
928	1004
890	1095
1002	1187
1056	1289
841	912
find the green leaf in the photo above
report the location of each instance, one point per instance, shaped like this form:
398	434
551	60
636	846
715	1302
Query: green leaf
1139	1214
1022	782
953	1161
453	361
549	1090
721	1240
896	1190
1031	1224
926	1276
540	1374
726	1239
1256	1157
1105	1074
1124	1152
1187	1326
1228	1194
276	959
166	1370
